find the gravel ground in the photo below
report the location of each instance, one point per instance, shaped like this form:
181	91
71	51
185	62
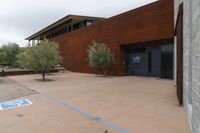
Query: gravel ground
10	89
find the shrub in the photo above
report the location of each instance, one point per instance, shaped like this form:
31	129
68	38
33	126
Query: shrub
100	57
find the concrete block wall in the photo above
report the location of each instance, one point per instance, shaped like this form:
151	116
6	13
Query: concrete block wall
191	61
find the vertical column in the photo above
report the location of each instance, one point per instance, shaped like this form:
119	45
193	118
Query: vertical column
29	43
33	42
72	27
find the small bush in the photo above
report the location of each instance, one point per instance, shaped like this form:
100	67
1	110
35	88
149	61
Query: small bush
100	57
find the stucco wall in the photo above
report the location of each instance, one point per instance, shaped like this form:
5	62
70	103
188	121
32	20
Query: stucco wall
191	60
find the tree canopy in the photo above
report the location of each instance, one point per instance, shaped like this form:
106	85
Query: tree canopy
41	58
8	54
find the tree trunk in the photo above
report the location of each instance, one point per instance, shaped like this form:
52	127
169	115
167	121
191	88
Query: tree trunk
105	72
43	76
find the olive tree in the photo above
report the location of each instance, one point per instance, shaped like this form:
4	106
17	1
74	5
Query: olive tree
40	58
3	57
8	54
100	57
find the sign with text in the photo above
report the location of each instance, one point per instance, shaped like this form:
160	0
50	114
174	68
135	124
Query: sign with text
137	59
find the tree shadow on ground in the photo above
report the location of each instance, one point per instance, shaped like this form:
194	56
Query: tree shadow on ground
46	80
103	76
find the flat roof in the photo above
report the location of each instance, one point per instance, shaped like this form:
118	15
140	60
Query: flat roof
75	18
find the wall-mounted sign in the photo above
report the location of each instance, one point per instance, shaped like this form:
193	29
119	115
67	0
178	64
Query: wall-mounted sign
14	104
136	59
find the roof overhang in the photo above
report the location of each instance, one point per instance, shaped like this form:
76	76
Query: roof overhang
73	18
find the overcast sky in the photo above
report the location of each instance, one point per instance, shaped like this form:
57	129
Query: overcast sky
21	18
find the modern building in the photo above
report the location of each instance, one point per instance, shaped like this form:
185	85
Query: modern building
143	43
187	59
141	40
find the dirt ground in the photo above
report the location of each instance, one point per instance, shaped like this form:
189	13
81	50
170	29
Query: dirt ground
10	89
86	103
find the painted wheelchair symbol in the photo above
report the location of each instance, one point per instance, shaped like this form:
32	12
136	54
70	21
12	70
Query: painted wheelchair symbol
14	104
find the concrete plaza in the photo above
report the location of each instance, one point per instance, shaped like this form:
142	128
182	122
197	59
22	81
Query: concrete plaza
86	103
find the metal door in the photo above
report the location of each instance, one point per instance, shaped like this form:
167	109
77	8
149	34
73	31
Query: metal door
167	65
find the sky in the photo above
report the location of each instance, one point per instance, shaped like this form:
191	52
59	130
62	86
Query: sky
22	18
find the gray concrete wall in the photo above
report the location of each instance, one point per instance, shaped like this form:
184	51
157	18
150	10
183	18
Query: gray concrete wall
191	48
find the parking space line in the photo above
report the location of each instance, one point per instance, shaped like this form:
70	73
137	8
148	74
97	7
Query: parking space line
99	120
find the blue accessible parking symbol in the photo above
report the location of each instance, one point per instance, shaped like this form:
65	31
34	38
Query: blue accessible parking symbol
14	104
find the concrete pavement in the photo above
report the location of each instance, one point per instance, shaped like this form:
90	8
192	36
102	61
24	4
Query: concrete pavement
133	104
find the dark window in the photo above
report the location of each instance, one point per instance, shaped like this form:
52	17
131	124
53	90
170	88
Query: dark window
69	28
150	61
76	26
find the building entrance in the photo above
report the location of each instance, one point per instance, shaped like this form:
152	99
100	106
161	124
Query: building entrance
151	61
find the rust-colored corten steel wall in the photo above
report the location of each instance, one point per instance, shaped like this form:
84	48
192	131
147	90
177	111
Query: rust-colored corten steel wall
148	23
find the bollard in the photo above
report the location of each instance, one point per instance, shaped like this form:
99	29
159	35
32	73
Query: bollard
3	74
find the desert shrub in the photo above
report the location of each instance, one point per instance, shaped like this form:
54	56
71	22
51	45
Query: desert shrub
100	57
